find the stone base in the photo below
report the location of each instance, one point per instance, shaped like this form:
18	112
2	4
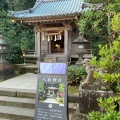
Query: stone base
2	78
88	99
6	74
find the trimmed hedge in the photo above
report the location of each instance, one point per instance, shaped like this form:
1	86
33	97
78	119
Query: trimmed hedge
76	74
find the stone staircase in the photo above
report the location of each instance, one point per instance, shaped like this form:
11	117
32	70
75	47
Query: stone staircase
54	57
19	104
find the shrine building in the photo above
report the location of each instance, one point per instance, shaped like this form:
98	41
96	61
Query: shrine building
54	25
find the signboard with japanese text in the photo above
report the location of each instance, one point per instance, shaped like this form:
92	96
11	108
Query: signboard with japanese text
51	96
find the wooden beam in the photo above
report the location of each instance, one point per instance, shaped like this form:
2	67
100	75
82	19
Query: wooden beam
52	22
24	20
51	28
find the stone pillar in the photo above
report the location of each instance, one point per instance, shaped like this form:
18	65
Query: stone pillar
66	44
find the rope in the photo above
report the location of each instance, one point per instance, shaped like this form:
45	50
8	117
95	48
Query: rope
52	33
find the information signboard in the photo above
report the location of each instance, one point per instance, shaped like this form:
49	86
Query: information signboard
51	96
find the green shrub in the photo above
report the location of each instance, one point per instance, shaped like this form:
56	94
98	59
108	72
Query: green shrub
113	115
108	105
76	74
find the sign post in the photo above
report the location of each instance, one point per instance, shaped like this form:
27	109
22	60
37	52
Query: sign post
51	96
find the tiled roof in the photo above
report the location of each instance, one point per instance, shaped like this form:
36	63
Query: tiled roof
51	8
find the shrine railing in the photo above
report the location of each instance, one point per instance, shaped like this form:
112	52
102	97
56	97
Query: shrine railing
30	56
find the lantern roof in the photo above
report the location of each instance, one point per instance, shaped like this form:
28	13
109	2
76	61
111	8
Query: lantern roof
80	39
50	8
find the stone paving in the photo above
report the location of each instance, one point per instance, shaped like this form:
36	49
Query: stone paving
25	81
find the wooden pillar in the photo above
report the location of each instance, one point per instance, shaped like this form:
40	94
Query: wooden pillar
50	47
66	44
70	40
38	46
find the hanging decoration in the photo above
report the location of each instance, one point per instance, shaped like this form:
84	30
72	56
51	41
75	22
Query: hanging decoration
49	35
43	37
55	38
48	38
60	36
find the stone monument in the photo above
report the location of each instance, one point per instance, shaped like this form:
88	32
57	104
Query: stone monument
89	92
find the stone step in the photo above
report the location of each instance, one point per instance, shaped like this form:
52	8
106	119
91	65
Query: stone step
47	59
8	92
54	59
4	119
17	102
16	113
25	93
25	102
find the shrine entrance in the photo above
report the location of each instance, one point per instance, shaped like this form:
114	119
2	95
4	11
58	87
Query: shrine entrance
58	45
54	35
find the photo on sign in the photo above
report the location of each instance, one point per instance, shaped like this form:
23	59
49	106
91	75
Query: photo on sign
53	68
51	93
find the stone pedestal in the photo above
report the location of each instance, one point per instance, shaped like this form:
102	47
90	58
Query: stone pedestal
88	96
6	71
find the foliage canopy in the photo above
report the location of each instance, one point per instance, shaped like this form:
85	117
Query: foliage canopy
95	23
104	24
18	36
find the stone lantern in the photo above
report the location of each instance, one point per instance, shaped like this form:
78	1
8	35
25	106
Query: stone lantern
81	48
6	70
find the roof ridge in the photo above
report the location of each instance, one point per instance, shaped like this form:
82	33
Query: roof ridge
45	1
50	8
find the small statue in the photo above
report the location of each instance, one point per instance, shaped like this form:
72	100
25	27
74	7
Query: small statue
89	70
